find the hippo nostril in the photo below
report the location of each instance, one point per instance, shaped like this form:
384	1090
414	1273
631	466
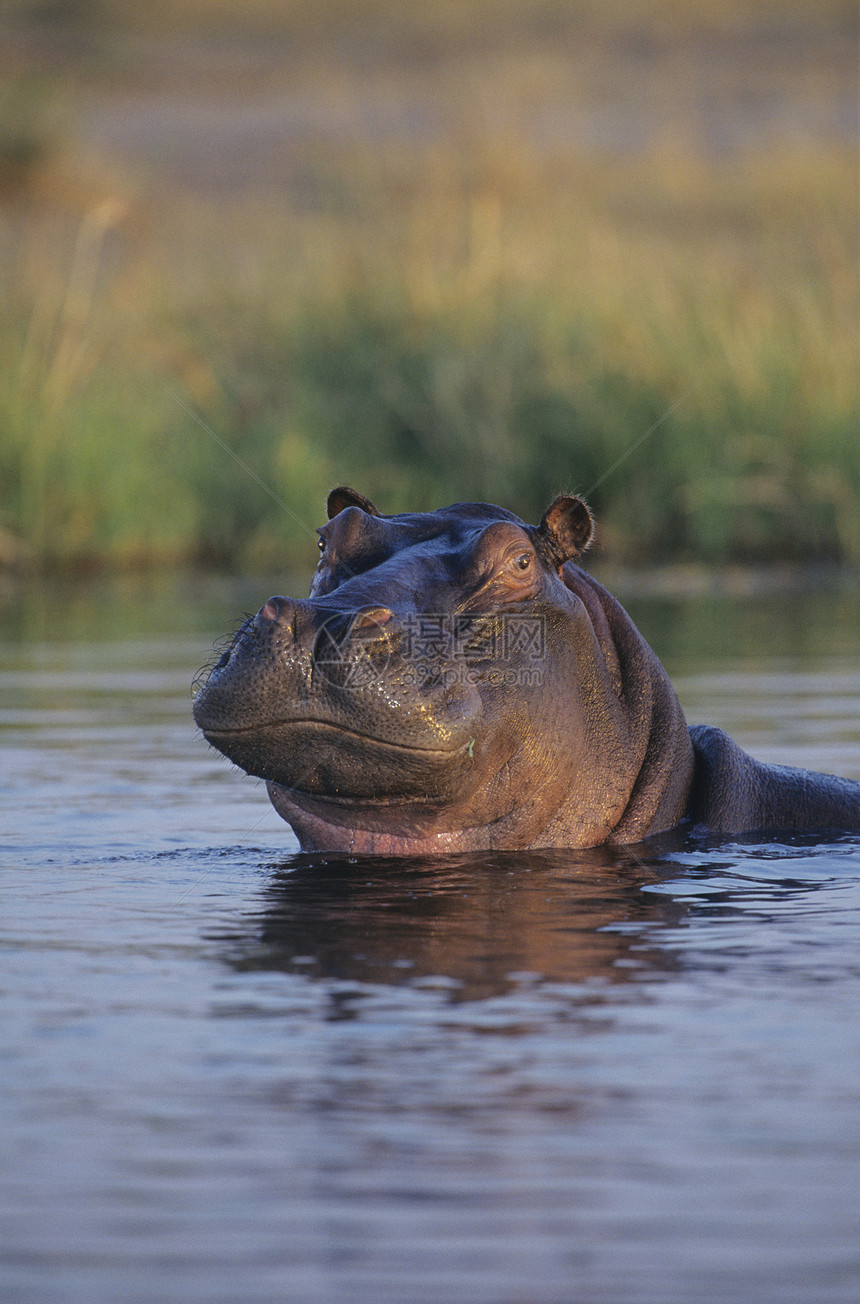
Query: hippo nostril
276	609
372	616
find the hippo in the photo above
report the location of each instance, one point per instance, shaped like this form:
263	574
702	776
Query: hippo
456	682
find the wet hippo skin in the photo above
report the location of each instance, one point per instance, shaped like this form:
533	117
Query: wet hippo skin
456	682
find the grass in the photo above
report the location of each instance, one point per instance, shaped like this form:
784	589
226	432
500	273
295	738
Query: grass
474	307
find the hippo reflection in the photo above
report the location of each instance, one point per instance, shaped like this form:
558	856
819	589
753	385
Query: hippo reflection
479	924
455	682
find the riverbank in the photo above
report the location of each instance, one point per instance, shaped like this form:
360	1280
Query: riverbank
447	260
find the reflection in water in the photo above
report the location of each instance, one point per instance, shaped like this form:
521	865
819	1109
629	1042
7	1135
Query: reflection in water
479	924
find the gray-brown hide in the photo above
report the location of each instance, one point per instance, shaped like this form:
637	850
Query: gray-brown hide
455	682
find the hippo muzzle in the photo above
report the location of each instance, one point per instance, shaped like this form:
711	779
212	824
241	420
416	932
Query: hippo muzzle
328	702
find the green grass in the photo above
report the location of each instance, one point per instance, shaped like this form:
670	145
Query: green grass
479	312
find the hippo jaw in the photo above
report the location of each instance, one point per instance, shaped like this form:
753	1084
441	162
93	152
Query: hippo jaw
356	727
324	759
404	828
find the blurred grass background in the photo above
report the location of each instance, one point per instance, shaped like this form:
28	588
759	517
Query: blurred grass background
442	251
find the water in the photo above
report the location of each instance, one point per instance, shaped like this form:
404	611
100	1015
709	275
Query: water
235	1073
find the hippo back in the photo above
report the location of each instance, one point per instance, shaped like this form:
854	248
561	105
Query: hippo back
733	793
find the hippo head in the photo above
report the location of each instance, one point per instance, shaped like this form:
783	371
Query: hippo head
452	682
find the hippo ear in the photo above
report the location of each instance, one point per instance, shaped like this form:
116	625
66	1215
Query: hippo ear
343	497
566	527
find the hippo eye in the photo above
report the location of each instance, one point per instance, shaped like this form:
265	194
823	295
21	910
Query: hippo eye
524	561
321	544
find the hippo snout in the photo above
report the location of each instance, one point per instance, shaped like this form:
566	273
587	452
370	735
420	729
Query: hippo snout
306	621
270	611
314	694
279	617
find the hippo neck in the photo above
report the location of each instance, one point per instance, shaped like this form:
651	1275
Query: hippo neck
659	761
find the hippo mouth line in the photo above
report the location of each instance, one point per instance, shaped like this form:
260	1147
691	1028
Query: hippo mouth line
320	800
270	726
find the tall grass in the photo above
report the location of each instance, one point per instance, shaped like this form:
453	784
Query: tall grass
477	312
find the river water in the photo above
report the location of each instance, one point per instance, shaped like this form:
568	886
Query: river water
232	1073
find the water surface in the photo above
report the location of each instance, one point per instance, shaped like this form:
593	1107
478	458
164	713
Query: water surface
235	1073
